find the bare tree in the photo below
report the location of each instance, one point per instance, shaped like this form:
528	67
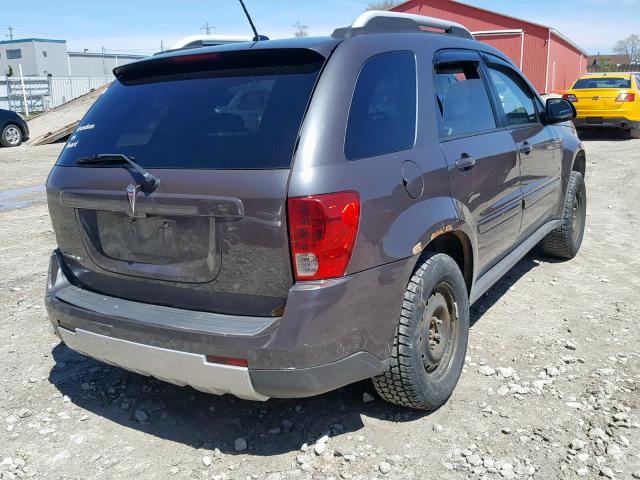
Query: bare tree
629	46
301	30
383	4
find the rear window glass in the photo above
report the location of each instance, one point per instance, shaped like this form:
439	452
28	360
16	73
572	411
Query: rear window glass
382	118
604	82
247	121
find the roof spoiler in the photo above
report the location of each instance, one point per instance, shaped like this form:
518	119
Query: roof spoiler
381	21
197	41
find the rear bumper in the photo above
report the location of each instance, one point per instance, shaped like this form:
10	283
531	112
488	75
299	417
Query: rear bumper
332	333
596	121
179	368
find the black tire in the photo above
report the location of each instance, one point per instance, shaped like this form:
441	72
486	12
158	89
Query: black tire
565	241
11	136
416	378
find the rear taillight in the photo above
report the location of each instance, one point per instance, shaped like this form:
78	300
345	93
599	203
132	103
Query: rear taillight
571	97
322	231
626	97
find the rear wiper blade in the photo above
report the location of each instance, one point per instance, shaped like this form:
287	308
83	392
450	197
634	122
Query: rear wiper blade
107	158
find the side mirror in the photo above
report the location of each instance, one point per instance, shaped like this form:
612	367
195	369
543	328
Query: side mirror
559	110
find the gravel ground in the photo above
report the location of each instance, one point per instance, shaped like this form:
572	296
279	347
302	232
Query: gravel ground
551	386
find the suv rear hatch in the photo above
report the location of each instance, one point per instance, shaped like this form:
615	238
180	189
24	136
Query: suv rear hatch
218	129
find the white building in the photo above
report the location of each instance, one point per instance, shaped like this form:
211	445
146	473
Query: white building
42	57
37	56
97	63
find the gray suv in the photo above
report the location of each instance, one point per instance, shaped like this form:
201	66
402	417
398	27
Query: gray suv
334	225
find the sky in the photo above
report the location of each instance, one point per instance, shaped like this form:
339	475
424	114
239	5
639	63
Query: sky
140	26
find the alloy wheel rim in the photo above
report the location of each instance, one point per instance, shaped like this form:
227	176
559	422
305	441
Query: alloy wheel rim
12	135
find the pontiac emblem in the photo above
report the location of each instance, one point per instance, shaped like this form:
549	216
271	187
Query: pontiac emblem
595	98
132	193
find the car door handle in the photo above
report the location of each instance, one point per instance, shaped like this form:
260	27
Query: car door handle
525	148
465	163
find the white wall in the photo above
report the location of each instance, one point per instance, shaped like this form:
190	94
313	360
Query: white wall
33	60
92	64
55	63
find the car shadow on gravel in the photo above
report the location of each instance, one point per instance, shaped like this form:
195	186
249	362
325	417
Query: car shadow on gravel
497	291
200	420
208	422
603	134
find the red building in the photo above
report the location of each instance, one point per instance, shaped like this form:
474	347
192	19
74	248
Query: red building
549	59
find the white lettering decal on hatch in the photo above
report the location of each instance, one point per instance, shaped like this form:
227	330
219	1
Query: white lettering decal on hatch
82	128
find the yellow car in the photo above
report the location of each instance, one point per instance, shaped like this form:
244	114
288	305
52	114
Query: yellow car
607	100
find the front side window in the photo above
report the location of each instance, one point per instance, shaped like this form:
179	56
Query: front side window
516	100
462	99
382	118
14	54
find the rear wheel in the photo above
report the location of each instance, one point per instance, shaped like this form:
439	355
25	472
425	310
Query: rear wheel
565	241
11	136
431	337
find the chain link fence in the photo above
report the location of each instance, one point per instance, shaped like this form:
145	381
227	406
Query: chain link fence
43	93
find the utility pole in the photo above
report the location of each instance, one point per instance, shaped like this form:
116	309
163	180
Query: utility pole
10	35
104	64
207	28
161	46
24	91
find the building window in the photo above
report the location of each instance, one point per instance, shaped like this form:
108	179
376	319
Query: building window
14	54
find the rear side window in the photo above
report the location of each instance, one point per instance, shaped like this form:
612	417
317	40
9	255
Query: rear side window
462	99
382	118
516	100
604	82
240	119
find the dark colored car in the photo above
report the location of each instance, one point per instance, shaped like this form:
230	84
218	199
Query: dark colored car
13	129
392	176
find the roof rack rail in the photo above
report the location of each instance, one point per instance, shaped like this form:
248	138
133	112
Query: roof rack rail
381	21
196	41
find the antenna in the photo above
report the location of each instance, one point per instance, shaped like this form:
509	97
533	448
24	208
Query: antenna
256	37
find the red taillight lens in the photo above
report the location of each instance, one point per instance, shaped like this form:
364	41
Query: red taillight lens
322	231
571	97
626	97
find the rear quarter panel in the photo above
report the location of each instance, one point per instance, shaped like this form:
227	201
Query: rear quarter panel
393	225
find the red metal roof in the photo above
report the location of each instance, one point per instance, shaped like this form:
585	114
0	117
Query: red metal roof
509	19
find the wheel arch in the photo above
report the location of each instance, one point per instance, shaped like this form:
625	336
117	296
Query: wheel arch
580	163
457	245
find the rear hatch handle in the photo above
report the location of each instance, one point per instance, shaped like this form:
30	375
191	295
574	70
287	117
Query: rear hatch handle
195	205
